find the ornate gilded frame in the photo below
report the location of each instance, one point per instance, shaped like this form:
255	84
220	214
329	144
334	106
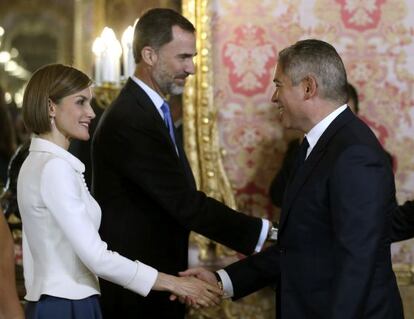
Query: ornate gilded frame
200	123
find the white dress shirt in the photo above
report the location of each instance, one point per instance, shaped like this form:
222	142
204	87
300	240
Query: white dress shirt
316	132
156	99
62	251
313	137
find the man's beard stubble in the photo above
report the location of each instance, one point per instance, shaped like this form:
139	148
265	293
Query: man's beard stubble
165	81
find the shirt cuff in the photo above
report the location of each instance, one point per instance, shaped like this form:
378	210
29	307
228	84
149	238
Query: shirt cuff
263	235
143	280
227	284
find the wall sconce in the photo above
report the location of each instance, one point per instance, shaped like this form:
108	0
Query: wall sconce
128	56
12	67
107	50
107	67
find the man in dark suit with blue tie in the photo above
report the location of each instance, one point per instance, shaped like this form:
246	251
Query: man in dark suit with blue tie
142	179
332	258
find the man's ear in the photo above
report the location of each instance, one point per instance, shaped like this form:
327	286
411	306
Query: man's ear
149	56
310	86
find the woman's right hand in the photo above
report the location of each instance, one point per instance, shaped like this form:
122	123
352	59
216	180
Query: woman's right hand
194	291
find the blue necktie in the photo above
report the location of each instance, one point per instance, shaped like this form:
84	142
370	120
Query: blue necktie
165	108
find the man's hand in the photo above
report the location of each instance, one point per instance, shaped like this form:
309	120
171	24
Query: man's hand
191	290
201	274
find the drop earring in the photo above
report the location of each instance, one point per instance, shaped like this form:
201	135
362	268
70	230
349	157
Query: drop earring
52	118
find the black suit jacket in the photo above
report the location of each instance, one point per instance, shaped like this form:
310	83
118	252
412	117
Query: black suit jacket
279	182
150	204
332	259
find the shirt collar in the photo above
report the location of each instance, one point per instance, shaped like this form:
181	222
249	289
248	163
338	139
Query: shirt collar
154	96
41	145
316	132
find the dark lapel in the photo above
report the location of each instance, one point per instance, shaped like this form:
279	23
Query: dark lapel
148	106
187	168
144	101
296	182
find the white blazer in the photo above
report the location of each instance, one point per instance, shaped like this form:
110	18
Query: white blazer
62	250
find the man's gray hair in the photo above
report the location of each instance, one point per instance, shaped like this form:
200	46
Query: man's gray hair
319	59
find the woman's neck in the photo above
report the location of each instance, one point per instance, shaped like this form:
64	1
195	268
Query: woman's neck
57	138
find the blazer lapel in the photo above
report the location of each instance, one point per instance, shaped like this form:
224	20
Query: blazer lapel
186	165
148	106
297	181
145	103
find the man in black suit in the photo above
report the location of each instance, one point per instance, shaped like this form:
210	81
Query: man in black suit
332	259
142	179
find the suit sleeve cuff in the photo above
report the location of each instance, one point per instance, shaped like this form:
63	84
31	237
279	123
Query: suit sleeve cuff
143	280
263	235
227	284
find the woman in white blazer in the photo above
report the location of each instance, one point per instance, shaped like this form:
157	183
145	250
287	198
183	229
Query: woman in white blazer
62	251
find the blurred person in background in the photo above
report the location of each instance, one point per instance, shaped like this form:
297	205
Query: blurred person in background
21	132
8	202
10	307
7	139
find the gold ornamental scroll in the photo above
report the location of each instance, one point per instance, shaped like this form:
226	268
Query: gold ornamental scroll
200	124
201	143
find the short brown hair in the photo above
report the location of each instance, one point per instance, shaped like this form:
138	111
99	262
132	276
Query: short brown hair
154	29
54	82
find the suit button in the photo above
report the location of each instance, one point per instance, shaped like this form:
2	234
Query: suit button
282	250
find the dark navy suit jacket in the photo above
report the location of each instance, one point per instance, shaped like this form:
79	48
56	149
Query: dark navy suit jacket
332	259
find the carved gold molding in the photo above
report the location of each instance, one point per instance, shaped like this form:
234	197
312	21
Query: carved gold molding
200	122
89	21
105	94
201	138
404	273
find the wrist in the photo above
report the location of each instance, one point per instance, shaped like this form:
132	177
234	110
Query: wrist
165	282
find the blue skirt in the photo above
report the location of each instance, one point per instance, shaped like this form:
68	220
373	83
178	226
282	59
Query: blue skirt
49	307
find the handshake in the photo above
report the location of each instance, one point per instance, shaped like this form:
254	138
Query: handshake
197	287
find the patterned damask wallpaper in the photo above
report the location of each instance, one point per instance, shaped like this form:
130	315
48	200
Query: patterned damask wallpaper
375	40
